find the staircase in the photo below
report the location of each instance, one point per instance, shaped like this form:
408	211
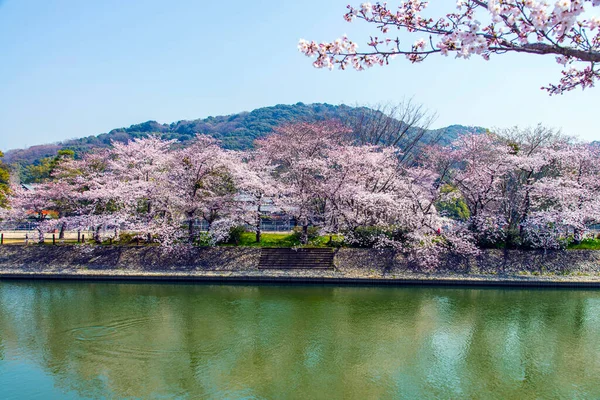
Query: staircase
276	258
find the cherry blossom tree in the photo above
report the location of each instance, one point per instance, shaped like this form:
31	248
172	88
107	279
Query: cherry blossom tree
523	187
376	198
256	186
364	187
200	185
30	205
140	171
299	153
533	154
49	204
94	195
61	202
568	198
340	187
566	29
532	188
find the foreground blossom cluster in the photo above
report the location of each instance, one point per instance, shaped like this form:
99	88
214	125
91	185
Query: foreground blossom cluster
567	29
533	190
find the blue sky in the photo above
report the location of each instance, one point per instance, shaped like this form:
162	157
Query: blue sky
72	68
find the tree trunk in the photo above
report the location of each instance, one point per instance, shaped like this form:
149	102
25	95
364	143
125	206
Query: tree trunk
257	227
117	233
577	235
40	228
61	234
41	236
258	234
149	210
525	214
191	232
97	237
304	237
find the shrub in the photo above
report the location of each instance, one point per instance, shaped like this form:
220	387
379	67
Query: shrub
586	244
313	233
364	236
126	238
370	236
490	232
452	204
204	239
235	235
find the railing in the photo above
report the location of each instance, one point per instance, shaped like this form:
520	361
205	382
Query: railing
18	226
266	226
24	232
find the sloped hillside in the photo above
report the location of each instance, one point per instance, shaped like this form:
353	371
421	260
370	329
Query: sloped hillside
236	131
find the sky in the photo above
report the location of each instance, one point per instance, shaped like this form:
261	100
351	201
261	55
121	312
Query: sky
72	68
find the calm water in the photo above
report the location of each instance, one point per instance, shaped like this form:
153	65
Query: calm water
74	340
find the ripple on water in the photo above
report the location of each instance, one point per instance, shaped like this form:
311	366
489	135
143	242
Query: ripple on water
110	330
93	333
113	340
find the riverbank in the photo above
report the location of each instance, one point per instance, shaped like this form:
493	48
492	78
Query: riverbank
579	268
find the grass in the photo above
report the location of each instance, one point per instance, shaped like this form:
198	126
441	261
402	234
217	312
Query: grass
268	239
15	241
247	239
586	244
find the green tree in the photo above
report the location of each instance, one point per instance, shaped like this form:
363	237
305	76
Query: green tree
42	170
4	182
453	206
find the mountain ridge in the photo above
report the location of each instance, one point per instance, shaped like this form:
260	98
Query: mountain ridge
235	131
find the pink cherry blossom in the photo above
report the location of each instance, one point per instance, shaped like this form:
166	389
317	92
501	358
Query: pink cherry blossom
566	29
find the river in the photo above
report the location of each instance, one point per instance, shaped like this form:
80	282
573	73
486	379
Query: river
116	340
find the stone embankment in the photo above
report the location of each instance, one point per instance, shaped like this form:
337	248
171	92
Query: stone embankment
238	264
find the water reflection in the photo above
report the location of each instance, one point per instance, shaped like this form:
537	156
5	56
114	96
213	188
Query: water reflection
151	341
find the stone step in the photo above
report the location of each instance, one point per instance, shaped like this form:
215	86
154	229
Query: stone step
279	258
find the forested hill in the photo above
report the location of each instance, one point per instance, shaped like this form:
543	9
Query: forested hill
236	131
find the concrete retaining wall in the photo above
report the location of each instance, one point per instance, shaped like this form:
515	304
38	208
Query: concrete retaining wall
131	258
579	268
